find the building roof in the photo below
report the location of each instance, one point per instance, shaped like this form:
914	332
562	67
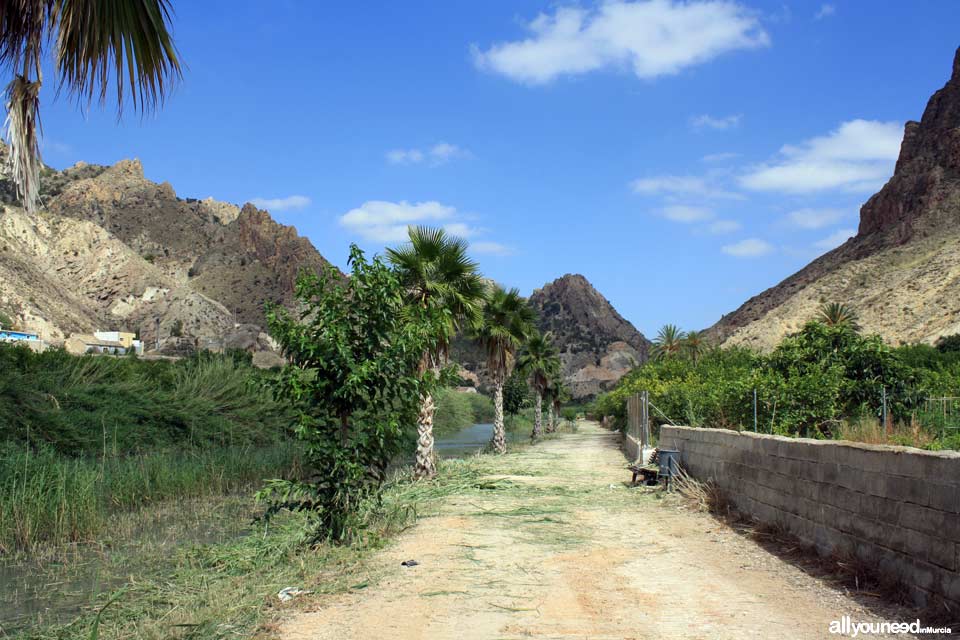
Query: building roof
93	341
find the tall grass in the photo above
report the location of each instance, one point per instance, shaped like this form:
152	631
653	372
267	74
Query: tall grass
46	497
88	404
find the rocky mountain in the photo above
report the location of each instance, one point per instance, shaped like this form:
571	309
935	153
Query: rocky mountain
597	345
113	250
901	272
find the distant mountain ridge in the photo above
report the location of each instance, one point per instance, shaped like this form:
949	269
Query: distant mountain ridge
112	249
901	272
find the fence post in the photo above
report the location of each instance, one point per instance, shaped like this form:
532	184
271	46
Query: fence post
884	412
754	410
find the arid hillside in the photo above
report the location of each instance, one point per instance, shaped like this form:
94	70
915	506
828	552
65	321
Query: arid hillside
901	272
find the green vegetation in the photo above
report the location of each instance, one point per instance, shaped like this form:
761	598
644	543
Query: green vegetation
541	362
825	381
86	437
113	406
228	590
47	497
356	378
456	410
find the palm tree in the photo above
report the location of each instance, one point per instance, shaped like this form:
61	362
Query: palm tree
837	314
507	321
694	344
540	361
559	393
437	272
668	343
125	44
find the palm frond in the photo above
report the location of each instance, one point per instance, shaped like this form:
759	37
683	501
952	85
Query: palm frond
22	131
127	41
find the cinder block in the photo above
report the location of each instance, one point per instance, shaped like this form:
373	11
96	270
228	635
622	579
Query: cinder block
870	506
869	459
829	472
942	553
906	489
919	518
944	497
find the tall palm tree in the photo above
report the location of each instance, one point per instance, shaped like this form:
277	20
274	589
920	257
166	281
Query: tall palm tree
559	393
540	361
507	321
668	343
837	314
97	44
437	272
694	345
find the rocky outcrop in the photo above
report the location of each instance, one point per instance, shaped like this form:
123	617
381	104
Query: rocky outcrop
597	345
113	250
901	272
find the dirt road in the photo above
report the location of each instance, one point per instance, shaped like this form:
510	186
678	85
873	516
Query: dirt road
561	548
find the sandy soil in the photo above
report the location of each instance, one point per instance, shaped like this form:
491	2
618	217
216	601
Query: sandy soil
566	550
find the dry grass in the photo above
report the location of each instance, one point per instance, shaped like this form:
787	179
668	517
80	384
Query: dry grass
870	431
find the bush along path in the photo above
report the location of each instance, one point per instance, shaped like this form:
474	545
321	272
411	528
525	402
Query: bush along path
549	542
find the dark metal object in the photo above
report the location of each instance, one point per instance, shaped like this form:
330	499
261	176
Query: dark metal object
669	463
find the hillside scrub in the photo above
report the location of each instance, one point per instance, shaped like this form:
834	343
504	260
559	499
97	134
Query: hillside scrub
816	383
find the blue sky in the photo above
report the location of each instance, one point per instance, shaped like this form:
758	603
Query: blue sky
682	156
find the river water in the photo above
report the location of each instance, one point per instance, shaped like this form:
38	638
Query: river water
69	580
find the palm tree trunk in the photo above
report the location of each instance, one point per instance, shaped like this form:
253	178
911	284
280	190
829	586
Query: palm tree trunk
551	418
499	441
425	467
538	416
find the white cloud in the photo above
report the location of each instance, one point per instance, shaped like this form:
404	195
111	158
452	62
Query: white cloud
719	157
815	218
439	154
720	227
387	222
857	157
749	248
686	214
281	204
835	239
491	248
710	122
683	186
825	11
654	38
383	221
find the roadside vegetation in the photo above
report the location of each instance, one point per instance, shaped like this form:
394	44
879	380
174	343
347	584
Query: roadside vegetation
828	380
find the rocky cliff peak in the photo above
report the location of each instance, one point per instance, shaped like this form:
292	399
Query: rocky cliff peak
926	183
597	345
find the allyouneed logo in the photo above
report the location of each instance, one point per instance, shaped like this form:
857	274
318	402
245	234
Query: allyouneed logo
846	626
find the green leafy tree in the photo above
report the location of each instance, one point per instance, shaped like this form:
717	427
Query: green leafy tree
356	377
438	275
124	45
506	322
669	342
540	361
837	314
516	393
949	344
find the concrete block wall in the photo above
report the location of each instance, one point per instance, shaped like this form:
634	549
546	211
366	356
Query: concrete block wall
896	508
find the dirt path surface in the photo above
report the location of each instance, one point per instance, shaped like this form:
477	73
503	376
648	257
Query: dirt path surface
556	546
